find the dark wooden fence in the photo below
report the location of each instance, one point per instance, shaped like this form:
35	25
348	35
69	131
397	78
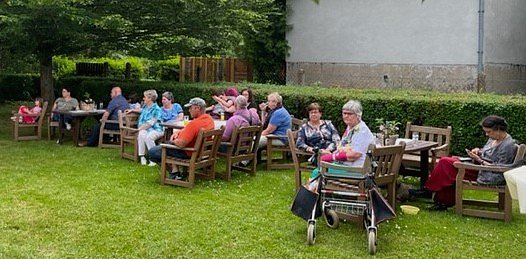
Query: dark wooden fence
92	69
200	69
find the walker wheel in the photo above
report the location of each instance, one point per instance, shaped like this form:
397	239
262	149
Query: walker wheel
332	219
311	233
371	246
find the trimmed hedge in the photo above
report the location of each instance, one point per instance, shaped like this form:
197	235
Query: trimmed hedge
462	111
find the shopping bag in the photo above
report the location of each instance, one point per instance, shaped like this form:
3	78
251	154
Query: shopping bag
382	209
304	203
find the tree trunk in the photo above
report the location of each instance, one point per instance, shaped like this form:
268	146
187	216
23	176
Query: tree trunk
46	79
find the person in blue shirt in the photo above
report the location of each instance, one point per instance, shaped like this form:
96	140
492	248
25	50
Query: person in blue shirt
117	103
149	125
170	111
276	119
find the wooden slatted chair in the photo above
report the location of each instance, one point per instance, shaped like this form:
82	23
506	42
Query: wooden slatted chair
500	209
115	133
204	156
440	135
52	126
299	158
18	126
284	150
242	147
387	160
128	133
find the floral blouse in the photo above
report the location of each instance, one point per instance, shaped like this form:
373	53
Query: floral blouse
326	137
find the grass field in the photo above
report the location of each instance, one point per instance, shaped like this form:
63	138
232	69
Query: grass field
61	201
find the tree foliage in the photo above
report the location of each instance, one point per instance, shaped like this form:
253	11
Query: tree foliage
154	29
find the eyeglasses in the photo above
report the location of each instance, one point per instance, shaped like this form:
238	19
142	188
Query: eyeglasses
348	113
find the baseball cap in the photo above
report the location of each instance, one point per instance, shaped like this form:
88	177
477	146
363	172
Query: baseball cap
196	101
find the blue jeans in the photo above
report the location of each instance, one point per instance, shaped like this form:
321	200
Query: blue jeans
155	154
67	118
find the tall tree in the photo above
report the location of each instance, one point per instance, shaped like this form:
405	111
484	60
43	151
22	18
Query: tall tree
156	28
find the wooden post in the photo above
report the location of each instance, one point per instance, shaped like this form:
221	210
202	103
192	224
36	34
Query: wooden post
181	68
205	70
232	70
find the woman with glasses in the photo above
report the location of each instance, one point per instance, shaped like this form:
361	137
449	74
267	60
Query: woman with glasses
356	139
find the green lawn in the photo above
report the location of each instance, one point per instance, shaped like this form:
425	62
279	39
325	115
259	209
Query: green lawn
61	201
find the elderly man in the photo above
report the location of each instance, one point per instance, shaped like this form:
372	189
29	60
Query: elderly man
242	117
117	103
187	136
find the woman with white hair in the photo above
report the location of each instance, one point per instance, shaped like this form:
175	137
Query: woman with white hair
149	125
355	140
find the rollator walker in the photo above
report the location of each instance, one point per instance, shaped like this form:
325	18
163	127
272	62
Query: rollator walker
351	193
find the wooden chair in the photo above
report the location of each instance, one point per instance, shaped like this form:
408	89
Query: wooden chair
440	135
242	147
299	159
284	150
52	126
501	207
203	157
37	126
128	133
386	161
113	132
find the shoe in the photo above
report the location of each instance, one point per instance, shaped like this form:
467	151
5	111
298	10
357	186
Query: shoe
58	141
419	193
437	207
245	163
175	176
143	160
152	163
68	126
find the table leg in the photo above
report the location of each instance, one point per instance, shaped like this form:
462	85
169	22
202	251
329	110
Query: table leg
424	167
77	123
61	128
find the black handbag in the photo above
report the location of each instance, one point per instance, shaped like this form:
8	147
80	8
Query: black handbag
304	203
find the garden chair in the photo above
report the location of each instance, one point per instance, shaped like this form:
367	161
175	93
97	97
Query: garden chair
440	135
37	126
502	207
386	161
204	157
52	126
242	147
299	158
284	150
114	134
128	134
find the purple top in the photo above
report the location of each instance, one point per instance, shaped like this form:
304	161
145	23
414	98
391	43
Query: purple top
241	118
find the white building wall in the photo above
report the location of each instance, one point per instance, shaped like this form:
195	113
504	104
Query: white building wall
384	31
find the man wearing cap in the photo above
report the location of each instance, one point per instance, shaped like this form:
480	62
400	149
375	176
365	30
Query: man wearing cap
187	136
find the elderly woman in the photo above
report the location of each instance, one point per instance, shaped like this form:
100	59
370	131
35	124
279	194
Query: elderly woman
65	103
317	134
355	140
500	149
276	120
171	111
149	125
353	146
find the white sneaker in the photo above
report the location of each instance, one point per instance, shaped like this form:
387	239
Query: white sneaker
68	126
143	160
152	163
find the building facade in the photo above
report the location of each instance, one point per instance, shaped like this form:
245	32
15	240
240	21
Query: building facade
447	45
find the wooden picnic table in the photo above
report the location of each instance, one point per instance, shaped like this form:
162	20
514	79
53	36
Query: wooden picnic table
78	117
414	146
